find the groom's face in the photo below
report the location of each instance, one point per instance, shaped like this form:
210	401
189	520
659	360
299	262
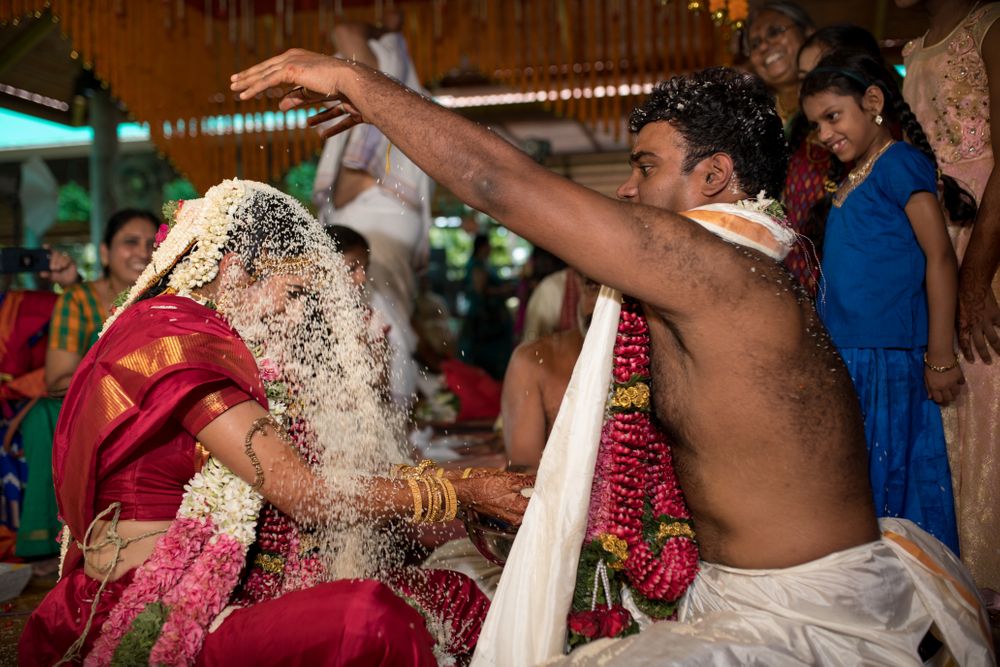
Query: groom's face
657	178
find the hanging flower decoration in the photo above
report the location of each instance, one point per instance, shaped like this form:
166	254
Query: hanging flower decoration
723	12
640	537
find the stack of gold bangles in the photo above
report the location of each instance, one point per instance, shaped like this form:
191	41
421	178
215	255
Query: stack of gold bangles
442	503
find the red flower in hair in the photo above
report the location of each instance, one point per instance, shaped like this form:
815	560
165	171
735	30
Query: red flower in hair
161	234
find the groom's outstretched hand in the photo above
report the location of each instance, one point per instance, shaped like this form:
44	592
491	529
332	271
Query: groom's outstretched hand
316	79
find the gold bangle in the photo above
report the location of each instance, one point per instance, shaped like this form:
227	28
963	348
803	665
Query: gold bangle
404	471
466	473
418	505
941	369
433	502
451	502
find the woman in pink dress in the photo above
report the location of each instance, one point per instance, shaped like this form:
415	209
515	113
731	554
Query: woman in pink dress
952	77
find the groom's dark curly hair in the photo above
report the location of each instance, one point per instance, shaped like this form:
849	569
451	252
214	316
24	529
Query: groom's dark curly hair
722	110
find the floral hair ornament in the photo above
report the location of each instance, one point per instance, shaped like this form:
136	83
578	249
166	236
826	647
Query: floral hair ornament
170	211
198	231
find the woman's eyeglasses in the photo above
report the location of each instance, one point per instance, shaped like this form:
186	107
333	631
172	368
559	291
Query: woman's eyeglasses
773	31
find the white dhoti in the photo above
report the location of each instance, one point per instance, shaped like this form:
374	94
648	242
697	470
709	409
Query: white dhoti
462	556
397	235
868	605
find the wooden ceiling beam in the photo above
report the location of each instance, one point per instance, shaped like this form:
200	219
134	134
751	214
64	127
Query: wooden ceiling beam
25	41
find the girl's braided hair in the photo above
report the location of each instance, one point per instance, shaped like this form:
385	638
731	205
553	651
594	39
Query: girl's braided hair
841	37
852	73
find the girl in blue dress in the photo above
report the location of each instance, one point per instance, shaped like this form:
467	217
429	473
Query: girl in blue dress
888	289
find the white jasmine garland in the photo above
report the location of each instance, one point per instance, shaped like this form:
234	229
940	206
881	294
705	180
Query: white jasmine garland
201	232
217	493
763	204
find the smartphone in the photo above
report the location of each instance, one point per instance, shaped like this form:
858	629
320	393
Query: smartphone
23	260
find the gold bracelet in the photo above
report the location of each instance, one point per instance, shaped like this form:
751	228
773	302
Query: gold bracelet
418	505
941	369
259	425
433	502
451	500
404	471
466	473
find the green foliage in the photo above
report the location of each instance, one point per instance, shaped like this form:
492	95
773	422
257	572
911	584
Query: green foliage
74	203
583	592
299	182
179	188
138	642
457	246
655	609
121	298
170	212
776	210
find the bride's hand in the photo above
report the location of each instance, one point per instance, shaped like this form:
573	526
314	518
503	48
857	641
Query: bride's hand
498	494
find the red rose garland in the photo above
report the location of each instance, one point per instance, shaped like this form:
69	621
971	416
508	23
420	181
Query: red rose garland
639	532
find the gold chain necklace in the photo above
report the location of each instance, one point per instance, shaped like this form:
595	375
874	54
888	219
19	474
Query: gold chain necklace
858	175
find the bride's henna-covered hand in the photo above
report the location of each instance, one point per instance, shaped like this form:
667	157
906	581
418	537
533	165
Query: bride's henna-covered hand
497	494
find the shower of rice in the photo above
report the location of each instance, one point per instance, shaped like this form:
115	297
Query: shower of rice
304	318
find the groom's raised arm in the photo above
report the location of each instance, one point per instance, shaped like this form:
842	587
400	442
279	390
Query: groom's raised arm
654	255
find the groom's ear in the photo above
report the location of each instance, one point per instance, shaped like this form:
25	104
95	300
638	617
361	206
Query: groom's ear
718	172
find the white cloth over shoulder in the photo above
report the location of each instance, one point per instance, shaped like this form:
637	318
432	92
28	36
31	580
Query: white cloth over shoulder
868	605
526	623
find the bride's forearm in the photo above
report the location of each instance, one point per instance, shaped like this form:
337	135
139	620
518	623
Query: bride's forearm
319	503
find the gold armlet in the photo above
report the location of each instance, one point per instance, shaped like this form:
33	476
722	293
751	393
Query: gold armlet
258	427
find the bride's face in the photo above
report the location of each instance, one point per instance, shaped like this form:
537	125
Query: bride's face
246	300
276	294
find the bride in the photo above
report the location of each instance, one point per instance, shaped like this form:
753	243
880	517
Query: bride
222	466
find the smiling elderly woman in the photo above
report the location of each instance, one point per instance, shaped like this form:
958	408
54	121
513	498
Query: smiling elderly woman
775	32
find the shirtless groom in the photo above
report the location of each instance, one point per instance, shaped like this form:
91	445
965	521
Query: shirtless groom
768	440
